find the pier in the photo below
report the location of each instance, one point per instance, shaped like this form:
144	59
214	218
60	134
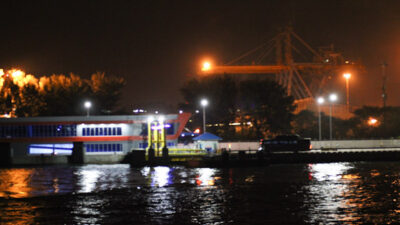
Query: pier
254	158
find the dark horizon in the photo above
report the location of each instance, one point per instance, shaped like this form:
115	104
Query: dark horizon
157	45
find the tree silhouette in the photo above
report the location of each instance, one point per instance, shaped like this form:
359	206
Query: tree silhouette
267	106
57	95
106	91
262	102
221	93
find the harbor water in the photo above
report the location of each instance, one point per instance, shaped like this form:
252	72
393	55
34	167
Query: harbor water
325	193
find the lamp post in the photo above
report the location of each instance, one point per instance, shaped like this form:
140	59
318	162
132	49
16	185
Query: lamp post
347	77
206	66
320	101
204	103
87	106
332	99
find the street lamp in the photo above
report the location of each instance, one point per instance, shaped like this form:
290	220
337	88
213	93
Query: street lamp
332	99
206	66
87	106
347	77
204	103
372	121
320	101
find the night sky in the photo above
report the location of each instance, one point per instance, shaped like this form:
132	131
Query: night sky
157	45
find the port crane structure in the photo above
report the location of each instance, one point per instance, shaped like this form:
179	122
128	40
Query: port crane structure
303	71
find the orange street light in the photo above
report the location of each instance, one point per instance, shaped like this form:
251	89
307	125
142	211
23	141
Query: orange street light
372	121
206	66
347	77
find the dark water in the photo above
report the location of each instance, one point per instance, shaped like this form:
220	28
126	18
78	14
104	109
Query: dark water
335	193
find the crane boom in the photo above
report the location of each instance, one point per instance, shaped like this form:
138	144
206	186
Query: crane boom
269	69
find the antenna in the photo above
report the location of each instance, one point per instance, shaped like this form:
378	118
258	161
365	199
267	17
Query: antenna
384	78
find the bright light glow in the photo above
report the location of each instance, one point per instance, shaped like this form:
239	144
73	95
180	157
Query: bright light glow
328	171
6	115
88	104
204	102
156	112
161	119
320	100
197	131
206	177
63	149
180	111
88	179
372	121
235	124
139	110
17	73
197	111
333	97
1	72
159	127
161	176
347	76
206	66
331	183
150	119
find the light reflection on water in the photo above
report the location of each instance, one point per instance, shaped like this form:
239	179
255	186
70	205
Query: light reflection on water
327	191
15	183
344	193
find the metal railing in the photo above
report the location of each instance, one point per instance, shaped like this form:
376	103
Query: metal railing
186	152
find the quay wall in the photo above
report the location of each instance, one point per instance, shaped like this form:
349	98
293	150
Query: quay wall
356	144
326	144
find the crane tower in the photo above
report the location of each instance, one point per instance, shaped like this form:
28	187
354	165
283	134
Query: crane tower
303	71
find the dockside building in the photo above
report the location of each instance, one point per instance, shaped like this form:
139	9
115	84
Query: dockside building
105	139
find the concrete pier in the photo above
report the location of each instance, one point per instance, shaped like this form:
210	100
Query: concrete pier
78	153
6	154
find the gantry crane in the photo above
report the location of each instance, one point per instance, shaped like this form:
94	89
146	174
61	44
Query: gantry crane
304	74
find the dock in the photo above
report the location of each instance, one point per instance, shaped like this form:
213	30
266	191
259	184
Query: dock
255	158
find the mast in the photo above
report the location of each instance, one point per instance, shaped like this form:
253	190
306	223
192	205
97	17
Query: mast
384	78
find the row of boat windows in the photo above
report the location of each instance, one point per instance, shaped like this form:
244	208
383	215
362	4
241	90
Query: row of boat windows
66	149
37	131
19	131
102	131
62	130
103	147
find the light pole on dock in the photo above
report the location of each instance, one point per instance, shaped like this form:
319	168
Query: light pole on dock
332	99
88	105
320	101
347	76
204	103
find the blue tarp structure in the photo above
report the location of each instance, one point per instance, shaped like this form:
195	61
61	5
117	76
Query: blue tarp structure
207	137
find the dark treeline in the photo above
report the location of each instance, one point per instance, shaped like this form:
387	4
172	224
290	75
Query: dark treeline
255	108
246	109
238	109
58	95
367	123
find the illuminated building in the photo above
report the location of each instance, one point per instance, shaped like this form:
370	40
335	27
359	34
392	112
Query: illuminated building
105	138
